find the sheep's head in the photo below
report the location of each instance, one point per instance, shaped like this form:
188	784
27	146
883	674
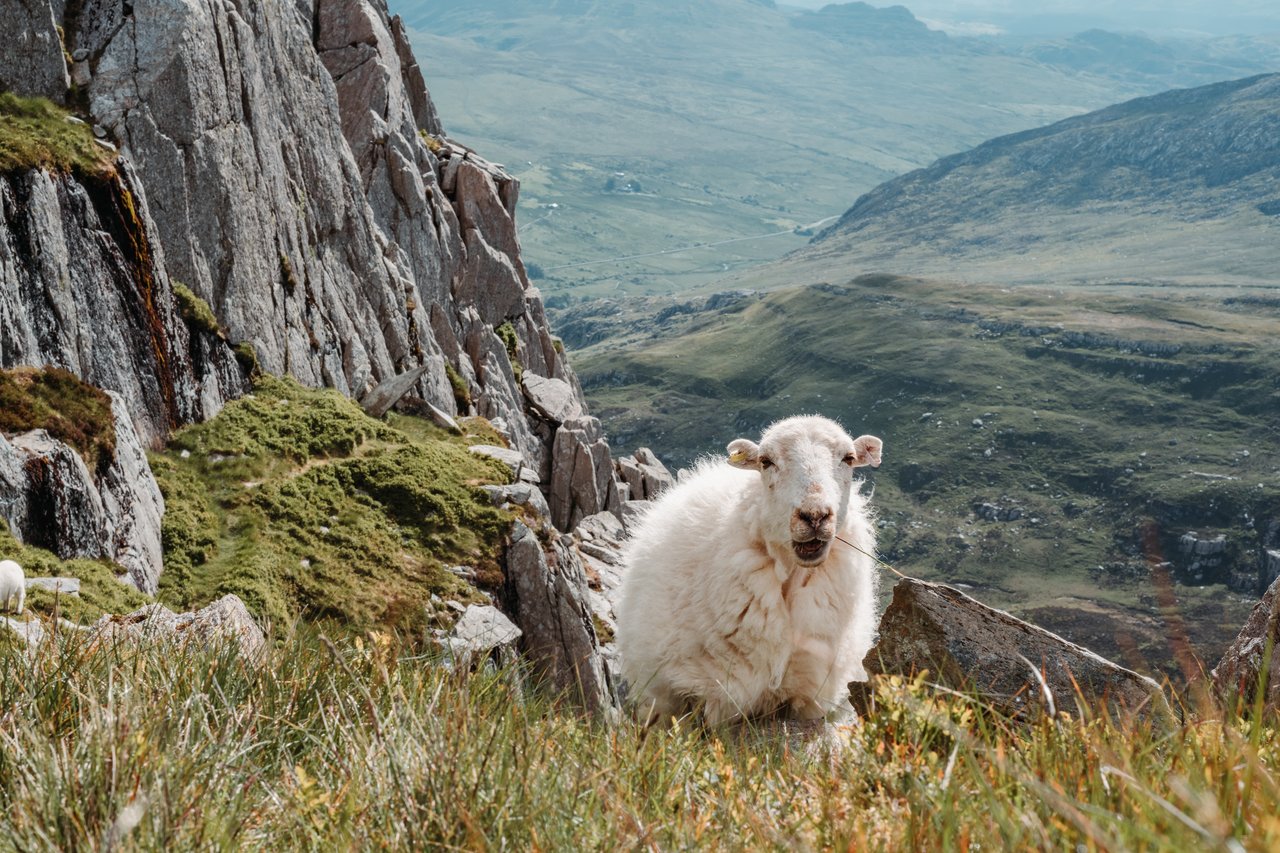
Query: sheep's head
806	465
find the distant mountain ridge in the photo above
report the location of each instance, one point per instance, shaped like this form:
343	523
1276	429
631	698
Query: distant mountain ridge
1185	183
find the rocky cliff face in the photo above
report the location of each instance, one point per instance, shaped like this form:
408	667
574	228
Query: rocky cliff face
83	287
301	184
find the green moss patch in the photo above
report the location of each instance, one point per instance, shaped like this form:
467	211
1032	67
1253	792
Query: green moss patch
507	334
304	506
55	400
34	133
461	390
195	312
100	590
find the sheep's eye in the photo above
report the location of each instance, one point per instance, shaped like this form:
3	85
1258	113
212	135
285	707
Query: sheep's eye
765	463
849	459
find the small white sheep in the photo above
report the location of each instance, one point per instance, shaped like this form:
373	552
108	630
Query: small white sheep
13	586
736	596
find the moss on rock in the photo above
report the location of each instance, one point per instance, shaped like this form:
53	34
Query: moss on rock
195	312
70	410
35	134
301	504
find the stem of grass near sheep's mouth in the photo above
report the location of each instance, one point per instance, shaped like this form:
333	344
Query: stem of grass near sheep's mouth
879	561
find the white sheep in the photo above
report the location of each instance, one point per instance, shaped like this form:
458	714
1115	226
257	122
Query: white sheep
736	596
13	586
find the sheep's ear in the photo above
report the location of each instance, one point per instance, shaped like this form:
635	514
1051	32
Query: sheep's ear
744	454
866	451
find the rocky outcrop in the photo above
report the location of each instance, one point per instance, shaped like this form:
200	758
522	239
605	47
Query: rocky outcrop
302	185
1252	663
1014	665
227	620
582	476
49	498
547	593
311	197
645	475
32	62
482	632
83	287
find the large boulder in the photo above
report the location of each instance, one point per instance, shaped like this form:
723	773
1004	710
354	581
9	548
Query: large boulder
548	594
1254	655
225	620
1013	664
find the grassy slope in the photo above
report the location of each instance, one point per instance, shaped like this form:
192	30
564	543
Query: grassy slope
303	505
361	748
300	503
1088	442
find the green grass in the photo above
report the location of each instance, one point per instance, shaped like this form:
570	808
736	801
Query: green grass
55	400
366	747
100	591
1091	442
35	133
302	505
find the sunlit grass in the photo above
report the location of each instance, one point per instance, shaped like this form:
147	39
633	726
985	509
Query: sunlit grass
371	746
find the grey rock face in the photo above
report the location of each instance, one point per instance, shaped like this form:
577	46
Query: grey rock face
132	506
644	474
548	593
226	620
56	502
1237	675
83	287
964	643
311	197
481	631
32	62
582	477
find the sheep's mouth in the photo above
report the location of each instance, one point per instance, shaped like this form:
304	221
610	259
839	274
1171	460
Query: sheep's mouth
812	551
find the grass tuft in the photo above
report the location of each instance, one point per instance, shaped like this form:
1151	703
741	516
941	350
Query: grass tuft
35	134
360	746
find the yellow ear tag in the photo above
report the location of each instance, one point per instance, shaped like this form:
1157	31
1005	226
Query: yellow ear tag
738	456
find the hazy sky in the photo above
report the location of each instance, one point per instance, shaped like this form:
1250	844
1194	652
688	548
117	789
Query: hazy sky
1031	16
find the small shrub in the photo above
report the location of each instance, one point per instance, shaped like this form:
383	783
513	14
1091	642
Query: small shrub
507	334
461	390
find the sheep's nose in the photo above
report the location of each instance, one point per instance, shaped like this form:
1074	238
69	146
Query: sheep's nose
813	517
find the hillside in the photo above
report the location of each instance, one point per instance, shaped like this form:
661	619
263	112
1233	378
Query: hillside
638	128
1178	188
1030	435
641	127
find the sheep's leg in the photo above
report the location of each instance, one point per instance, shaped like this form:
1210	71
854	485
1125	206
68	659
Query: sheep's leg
807	709
22	598
657	705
